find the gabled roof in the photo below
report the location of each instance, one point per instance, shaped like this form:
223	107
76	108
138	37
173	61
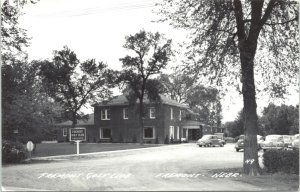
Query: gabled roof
90	121
121	100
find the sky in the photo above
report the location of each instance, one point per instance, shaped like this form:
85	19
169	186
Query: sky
97	29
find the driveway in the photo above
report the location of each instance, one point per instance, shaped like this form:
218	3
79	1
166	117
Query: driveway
172	168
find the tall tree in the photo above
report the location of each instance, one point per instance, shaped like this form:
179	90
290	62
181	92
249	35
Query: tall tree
177	85
226	36
25	106
151	53
203	100
74	84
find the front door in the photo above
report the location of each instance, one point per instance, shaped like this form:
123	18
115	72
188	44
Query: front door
194	134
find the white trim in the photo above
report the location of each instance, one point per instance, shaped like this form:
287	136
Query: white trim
64	135
105	114
150	114
124	109
101	133
178	132
180	115
172	117
171	131
153	134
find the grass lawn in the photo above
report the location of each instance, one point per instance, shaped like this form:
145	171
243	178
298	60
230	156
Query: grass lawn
50	149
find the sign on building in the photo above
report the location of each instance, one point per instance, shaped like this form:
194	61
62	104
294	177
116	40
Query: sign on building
78	134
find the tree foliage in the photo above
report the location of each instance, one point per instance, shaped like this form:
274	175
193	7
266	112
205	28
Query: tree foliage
203	100
74	84
150	52
229	40
13	38
25	105
283	120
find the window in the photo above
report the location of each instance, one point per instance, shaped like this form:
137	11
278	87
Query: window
152	113
179	115
105	133
65	131
125	113
177	132
148	133
105	114
171	132
171	113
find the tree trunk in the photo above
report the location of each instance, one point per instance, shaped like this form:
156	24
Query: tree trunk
141	123
74	120
250	164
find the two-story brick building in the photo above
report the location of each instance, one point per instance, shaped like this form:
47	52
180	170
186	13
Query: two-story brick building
117	121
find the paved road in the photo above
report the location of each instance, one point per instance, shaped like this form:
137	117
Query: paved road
176	167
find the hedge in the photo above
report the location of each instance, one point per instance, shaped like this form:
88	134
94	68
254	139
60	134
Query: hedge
281	161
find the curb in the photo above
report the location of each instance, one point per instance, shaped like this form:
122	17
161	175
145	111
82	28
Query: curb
107	153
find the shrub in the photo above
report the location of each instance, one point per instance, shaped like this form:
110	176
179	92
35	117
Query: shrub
167	140
281	161
13	152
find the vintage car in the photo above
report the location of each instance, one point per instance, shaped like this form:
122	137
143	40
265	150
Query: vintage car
210	140
287	141
295	142
240	143
273	142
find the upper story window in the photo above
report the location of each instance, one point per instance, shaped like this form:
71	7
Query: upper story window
125	113
171	113
152	113
105	114
180	115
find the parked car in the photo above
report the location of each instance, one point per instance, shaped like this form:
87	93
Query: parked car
240	143
210	140
287	141
273	142
295	142
13	152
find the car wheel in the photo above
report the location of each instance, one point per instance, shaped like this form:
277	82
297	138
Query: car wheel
221	145
264	150
209	145
237	150
200	145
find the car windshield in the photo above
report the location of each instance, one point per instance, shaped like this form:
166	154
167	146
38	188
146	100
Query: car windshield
273	137
242	136
206	137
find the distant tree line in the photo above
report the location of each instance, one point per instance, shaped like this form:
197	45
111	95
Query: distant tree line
282	120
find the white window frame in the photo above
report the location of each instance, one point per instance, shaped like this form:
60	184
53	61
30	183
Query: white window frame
153	135
179	115
172	117
178	132
105	114
124	113
171	132
64	135
101	133
152	109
